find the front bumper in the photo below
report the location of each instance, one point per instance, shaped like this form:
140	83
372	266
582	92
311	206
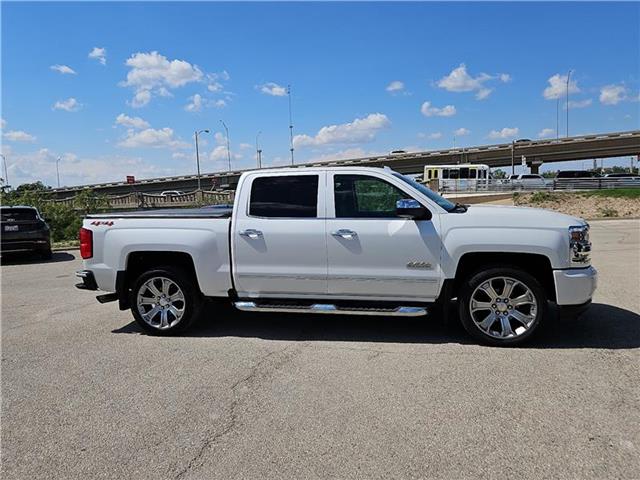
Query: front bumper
575	286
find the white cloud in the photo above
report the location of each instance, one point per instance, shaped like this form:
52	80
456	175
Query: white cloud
613	94
131	122
460	81
546	133
70	105
99	54
220	103
152	138
395	87
558	87
195	104
152	73
429	111
215	87
74	170
430	136
18	136
141	98
504	133
180	155
461	132
346	154
579	103
63	69
272	89
3	123
361	130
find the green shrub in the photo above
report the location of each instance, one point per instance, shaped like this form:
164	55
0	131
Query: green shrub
540	197
64	218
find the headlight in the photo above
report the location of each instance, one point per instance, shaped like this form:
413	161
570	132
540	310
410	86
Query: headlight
579	245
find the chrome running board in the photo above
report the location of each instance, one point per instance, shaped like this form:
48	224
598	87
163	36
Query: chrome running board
332	309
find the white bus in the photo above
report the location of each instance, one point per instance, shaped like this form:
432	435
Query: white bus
464	176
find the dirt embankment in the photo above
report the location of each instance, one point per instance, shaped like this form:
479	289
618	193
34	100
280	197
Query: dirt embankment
583	205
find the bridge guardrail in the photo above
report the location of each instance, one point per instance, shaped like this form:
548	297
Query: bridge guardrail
505	185
147	200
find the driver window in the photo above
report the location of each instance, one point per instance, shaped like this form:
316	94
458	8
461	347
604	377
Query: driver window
362	196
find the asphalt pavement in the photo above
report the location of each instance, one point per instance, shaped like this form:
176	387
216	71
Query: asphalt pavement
85	394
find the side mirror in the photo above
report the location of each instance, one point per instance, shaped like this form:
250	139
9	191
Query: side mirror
412	209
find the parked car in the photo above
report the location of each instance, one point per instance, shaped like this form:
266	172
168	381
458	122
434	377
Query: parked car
528	180
347	240
622	175
576	174
171	193
24	229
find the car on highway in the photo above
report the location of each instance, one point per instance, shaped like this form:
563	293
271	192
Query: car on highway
343	240
563	174
171	193
528	181
24	230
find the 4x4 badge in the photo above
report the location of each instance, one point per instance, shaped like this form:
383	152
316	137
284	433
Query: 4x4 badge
421	265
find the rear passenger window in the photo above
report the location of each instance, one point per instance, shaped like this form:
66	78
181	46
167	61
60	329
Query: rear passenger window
288	196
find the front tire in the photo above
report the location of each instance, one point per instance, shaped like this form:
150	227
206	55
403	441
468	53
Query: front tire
165	301
502	306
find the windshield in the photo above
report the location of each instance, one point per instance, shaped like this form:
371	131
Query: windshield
441	201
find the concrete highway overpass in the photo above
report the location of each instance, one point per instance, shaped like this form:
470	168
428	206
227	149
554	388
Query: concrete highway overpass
536	152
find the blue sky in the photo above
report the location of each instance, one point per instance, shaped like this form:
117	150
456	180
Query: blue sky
118	89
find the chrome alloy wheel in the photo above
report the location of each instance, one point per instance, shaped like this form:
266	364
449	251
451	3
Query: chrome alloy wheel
503	307
161	303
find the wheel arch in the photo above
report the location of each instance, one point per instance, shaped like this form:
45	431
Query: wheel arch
139	262
539	266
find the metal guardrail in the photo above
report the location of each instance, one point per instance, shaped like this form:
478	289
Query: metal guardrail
147	200
504	185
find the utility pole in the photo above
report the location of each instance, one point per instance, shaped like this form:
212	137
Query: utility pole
290	124
198	132
258	152
228	145
58	170
568	77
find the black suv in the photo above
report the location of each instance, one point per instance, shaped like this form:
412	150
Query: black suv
23	229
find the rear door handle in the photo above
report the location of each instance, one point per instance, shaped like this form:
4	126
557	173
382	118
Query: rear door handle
251	233
345	233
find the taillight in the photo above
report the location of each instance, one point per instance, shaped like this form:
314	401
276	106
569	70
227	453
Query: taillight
86	243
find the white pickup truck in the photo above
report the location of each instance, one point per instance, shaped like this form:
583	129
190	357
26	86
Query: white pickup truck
363	241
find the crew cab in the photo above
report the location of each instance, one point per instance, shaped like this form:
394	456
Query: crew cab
360	241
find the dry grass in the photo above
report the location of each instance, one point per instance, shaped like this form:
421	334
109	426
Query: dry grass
583	205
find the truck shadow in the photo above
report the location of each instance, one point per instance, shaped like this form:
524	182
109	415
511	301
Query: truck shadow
31	258
602	326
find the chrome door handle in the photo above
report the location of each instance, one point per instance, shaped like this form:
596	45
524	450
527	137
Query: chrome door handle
345	233
251	233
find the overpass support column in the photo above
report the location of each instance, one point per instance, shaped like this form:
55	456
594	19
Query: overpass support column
535	168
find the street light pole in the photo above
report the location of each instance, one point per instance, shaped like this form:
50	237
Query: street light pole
290	124
6	173
228	146
198	132
558	117
58	170
513	157
258	152
568	77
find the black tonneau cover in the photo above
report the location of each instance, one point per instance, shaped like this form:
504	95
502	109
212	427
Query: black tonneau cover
213	211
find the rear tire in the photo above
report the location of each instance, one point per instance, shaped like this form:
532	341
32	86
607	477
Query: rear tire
165	301
502	306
